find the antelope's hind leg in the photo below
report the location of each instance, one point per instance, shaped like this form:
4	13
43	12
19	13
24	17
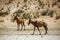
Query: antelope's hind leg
21	27
24	27
46	29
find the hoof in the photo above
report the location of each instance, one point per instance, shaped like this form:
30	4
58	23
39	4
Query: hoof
45	33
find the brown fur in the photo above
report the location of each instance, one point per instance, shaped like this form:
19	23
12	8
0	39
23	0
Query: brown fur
19	22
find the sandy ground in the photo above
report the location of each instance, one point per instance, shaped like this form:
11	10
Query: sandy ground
26	35
13	34
28	32
29	37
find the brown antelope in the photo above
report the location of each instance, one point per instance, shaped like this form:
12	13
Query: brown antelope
19	22
38	24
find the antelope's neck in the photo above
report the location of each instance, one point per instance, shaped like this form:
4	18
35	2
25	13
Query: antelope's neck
17	19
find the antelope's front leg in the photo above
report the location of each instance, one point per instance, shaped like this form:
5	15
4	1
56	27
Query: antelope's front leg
39	30
34	31
18	27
